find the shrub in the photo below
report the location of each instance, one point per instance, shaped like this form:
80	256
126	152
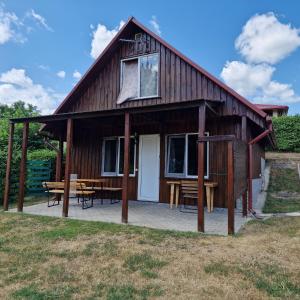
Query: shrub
41	154
287	131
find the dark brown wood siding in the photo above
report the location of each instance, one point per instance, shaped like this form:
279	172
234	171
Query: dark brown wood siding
87	151
178	82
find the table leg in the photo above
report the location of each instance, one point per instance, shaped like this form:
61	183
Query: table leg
177	195
208	198
212	199
172	196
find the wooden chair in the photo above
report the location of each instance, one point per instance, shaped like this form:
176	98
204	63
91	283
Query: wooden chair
188	190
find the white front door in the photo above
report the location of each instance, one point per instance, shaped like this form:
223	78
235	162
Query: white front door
148	181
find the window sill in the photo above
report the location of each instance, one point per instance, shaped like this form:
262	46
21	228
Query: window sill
145	98
172	176
116	175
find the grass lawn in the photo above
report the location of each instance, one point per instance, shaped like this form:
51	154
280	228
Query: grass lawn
284	190
55	258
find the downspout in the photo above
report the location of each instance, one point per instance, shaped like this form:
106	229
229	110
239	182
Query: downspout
250	159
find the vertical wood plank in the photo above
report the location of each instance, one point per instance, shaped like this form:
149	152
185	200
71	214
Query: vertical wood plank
244	129
8	165
230	197
201	131
126	168
23	167
68	167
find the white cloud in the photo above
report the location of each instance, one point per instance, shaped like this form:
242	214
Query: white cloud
101	37
76	74
8	23
15	85
255	82
265	39
245	78
40	20
61	74
155	25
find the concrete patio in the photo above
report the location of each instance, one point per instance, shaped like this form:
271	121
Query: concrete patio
146	214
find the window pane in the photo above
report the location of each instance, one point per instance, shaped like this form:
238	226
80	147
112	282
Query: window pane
192	167
129	82
110	155
148	75
121	158
176	146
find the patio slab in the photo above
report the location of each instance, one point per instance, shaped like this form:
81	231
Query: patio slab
146	214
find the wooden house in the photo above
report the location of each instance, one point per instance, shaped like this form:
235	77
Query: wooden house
144	114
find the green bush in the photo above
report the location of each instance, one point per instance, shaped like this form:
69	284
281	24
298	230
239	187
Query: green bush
287	131
35	143
41	154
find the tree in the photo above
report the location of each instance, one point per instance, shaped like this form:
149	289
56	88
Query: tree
35	141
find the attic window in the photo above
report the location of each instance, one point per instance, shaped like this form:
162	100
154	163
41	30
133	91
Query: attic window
139	78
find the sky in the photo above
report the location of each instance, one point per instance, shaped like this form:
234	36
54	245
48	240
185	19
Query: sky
253	46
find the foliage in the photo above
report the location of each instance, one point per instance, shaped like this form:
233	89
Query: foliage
287	131
35	141
41	154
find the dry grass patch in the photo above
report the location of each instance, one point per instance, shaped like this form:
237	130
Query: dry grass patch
49	258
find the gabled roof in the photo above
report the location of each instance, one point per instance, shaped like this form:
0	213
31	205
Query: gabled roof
132	21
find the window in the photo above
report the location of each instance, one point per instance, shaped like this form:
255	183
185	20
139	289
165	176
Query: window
182	156
110	156
113	156
176	150
139	78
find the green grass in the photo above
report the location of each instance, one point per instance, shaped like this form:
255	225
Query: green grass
284	180
281	205
94	260
272	279
145	263
217	268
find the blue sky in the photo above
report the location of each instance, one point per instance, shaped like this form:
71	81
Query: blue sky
254	46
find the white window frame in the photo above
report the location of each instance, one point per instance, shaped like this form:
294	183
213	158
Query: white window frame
117	172
185	167
138	58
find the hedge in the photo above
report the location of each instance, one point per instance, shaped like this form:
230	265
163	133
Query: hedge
287	131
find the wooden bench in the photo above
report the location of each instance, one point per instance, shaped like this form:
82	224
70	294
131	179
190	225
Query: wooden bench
111	190
78	189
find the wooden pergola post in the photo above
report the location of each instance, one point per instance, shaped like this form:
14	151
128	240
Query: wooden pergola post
201	145
59	159
244	139
58	166
126	168
22	178
8	165
68	167
230	187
